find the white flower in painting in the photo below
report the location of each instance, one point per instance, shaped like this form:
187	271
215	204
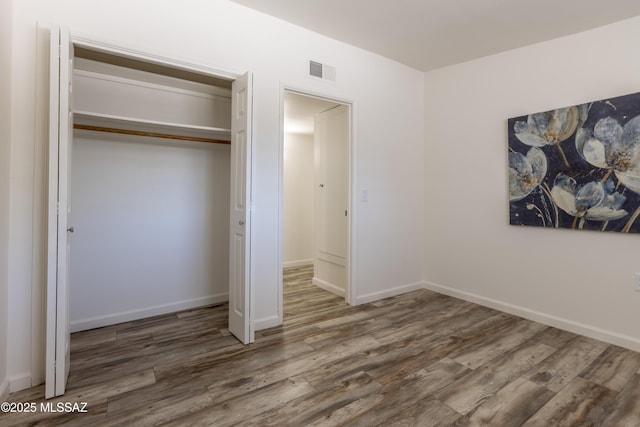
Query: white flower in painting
614	147
550	127
526	172
593	201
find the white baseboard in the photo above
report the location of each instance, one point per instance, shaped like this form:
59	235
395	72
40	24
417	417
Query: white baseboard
298	263
126	316
398	290
544	318
4	390
19	382
328	287
267	322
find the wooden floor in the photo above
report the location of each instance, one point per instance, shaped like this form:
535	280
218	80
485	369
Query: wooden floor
419	359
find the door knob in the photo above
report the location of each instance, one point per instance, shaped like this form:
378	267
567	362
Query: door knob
241	222
70	230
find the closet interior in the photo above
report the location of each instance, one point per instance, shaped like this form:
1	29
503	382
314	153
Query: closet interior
149	189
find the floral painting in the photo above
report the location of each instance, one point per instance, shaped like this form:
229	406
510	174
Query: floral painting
577	167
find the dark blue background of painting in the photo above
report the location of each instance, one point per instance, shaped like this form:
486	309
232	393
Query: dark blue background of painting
623	109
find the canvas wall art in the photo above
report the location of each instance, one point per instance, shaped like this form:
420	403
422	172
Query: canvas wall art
577	167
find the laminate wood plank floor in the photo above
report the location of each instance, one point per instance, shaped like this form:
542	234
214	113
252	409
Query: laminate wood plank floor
418	359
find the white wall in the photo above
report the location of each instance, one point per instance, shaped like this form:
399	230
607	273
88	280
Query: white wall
6	26
388	248
151	220
298	186
577	280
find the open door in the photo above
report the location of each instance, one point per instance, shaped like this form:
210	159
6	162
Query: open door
331	157
240	295
58	348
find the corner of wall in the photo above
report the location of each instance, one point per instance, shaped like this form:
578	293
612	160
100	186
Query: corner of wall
267	322
387	293
4	390
471	250
19	382
6	24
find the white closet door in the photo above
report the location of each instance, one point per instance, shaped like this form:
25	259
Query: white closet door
59	214
240	295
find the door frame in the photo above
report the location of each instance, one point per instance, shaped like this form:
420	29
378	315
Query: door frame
350	294
97	45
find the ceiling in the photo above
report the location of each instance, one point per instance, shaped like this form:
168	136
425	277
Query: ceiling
429	34
299	112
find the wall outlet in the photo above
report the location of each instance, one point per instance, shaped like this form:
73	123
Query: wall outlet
636	282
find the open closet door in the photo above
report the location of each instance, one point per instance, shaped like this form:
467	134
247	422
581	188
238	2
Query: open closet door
240	295
58	215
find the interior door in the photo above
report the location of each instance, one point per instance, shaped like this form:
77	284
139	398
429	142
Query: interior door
331	154
59	214
240	295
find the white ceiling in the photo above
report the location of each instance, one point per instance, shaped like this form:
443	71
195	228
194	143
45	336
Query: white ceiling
299	112
428	34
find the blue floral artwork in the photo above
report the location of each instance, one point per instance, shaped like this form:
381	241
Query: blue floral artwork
577	167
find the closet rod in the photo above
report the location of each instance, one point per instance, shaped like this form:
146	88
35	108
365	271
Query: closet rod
150	134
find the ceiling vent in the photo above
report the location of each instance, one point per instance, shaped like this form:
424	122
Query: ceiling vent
322	71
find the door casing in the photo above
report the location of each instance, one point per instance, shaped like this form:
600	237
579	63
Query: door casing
350	296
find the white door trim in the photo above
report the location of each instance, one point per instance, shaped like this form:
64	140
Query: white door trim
117	49
351	290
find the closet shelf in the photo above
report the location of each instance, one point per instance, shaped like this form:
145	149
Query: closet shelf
84	120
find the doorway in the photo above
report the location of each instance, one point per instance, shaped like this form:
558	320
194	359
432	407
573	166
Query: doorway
62	49
315	187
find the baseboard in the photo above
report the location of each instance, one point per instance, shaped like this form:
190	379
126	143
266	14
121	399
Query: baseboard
4	390
398	290
328	287
126	316
544	318
267	322
298	263
19	382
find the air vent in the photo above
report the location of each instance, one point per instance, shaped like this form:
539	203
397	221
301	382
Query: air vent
315	69
322	71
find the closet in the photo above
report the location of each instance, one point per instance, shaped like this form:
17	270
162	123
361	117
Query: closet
150	190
